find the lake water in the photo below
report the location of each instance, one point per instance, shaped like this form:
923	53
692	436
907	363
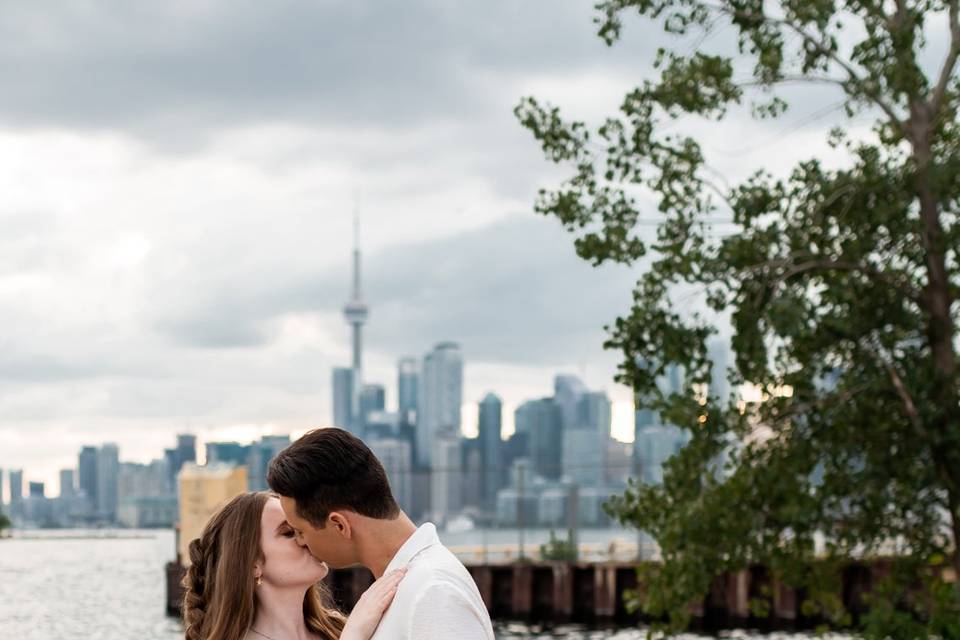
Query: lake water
60	585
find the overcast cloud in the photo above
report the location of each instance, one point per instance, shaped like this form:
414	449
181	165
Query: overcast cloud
176	188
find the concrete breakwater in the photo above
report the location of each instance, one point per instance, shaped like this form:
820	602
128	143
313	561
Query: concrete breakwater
561	592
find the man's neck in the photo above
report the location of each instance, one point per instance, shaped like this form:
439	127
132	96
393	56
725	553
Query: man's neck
280	613
380	541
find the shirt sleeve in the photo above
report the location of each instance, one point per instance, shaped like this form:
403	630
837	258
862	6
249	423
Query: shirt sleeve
441	612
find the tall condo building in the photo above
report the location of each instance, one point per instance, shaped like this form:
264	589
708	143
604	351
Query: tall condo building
492	474
343	397
356	313
108	471
441	394
567	392
720	356
373	399
542	421
395	456
408	384
184	453
654	442
260	456
87	475
446	475
66	483
408	401
16	493
585	443
227	453
186	449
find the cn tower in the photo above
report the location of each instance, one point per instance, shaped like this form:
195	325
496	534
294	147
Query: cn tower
356	311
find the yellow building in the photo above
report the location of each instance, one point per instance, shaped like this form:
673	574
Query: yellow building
203	490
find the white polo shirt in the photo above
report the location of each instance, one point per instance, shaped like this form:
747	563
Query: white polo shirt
437	599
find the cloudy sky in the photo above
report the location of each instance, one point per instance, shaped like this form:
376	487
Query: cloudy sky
177	181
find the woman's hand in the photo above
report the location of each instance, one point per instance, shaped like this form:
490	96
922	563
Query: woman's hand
373	603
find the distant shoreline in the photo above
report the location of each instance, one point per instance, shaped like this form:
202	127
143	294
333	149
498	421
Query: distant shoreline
46	535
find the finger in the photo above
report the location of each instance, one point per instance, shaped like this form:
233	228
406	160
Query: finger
376	589
388	598
391	579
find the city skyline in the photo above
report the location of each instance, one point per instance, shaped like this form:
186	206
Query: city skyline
351	383
49	474
559	458
175	255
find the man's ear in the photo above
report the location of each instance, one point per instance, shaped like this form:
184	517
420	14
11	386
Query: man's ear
340	523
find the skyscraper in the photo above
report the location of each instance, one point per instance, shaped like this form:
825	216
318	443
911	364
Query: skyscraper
343	398
373	398
542	421
446	474
408	401
108	470
186	449
16	493
471	473
490	423
356	313
719	351
66	483
585	443
655	445
654	442
227	453
185	452
408	384
87	474
595	413
441	394
258	461
567	392
396	457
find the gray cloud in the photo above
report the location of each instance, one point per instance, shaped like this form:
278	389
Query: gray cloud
511	291
159	67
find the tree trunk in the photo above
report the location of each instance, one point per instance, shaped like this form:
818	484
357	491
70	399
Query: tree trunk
940	329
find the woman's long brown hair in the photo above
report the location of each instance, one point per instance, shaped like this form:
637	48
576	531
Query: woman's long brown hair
219	601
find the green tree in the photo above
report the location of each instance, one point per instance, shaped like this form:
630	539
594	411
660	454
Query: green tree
5	522
840	285
559	549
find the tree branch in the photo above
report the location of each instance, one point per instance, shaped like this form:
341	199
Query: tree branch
832	264
792	80
936	101
854	77
904	394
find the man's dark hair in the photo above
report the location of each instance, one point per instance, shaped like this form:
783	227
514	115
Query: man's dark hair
331	469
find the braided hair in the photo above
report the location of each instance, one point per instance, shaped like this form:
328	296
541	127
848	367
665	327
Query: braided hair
219	601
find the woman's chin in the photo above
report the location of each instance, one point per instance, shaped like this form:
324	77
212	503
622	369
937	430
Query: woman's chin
320	568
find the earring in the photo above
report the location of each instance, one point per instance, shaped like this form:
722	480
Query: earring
259	581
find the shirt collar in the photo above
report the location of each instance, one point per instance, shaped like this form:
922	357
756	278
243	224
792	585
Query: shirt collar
425	536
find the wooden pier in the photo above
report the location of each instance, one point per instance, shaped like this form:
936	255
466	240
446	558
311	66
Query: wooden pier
560	592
